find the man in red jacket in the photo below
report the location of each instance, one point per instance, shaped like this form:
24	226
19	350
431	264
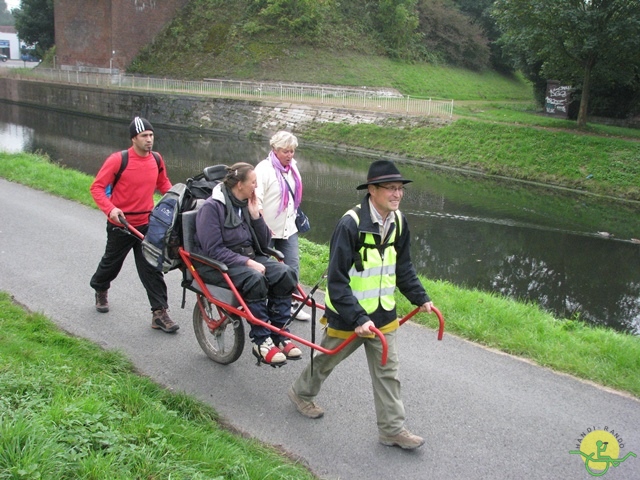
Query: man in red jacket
132	198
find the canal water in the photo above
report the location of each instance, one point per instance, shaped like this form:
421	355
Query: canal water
571	254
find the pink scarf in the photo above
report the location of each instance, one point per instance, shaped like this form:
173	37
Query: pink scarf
284	190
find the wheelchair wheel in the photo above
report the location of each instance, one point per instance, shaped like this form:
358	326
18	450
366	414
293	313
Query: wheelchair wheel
219	334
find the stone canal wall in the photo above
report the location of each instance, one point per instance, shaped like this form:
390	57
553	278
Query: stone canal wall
242	117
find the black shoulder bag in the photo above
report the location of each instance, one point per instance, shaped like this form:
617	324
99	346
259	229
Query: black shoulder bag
302	221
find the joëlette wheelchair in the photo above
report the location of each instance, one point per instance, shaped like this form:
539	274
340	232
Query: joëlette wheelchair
219	311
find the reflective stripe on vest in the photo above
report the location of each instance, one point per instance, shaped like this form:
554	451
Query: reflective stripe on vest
376	283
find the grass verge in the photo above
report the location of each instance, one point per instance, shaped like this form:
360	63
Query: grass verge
597	354
69	409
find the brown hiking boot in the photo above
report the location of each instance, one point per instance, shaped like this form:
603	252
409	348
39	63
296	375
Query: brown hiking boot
102	303
405	439
304	407
162	321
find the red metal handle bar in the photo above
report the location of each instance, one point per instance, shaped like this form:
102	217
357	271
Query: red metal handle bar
353	336
247	315
131	229
434	310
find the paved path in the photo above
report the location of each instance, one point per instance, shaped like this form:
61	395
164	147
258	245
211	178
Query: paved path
484	415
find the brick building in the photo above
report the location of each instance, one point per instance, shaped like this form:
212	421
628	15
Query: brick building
107	33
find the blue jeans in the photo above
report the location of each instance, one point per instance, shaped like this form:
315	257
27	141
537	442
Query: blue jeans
289	249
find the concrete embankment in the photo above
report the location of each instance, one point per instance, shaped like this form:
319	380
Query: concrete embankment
235	116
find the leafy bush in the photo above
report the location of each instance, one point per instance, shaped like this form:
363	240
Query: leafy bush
302	18
450	33
396	22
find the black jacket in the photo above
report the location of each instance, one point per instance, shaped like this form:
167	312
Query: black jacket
342	255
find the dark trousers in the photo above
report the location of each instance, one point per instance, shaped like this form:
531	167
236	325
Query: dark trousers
119	244
268	296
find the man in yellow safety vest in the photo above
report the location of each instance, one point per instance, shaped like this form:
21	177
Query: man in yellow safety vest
369	257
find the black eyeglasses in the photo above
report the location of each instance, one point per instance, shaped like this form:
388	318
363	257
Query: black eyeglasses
392	189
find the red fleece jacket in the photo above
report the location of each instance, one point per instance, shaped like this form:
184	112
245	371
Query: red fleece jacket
134	191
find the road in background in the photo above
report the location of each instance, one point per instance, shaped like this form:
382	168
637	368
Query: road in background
11	63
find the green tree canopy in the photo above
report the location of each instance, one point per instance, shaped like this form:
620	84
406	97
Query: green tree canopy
299	17
479	11
396	21
35	25
576	41
453	35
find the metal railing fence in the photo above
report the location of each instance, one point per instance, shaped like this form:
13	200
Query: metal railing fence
365	99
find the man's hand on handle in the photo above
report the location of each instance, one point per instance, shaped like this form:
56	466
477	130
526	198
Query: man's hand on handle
426	307
115	214
364	330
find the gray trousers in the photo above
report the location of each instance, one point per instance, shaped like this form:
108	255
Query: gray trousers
384	379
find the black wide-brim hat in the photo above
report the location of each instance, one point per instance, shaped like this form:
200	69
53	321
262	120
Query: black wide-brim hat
383	171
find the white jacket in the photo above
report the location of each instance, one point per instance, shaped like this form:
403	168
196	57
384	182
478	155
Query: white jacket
269	198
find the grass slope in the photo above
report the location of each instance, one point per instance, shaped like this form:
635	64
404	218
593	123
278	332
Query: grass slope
209	39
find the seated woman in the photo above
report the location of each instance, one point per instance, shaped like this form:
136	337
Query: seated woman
230	229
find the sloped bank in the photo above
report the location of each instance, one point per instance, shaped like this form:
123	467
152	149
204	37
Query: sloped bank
234	116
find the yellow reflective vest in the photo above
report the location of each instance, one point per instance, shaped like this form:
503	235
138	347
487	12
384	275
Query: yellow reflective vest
372	277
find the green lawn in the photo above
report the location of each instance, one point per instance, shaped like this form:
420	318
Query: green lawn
69	409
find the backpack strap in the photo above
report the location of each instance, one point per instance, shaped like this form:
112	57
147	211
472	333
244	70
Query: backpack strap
123	164
360	243
156	155
125	160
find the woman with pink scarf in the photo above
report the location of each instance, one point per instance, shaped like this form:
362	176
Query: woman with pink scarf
279	194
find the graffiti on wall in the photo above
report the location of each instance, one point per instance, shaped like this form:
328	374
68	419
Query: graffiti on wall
557	99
